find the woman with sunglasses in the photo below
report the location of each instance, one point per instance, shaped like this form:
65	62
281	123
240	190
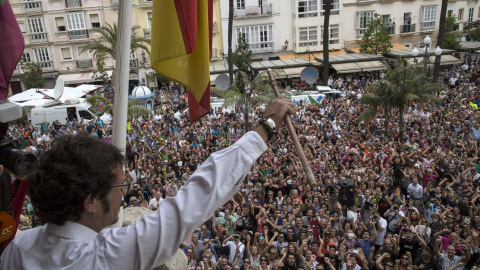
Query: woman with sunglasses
264	263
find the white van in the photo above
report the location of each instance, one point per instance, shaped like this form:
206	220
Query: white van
70	108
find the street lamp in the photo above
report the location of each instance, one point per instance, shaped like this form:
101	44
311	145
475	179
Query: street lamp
286	44
426	56
415	54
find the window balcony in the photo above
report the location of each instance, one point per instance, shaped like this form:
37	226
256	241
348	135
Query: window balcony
73	3
78	34
308	14
46	65
84	63
264	46
147	32
332	12
38	37
145	4
134	62
407	28
253	11
306	44
391	30
427	25
32	6
361	32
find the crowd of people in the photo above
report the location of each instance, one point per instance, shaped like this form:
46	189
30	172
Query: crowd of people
416	186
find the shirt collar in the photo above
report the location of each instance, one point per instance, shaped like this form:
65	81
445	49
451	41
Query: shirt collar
72	230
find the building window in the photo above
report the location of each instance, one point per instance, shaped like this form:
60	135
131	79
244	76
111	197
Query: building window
308	36
428	17
460	15
60	24
26	57
333	36
82	55
42	56
307	8
363	18
66	53
35	25
259	37
22	27
335	9
95	20
75	21
450	13
470	15
240	4
149	19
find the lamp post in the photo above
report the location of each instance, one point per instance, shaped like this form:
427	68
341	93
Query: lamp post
144	60
426	55
415	54
286	45
438	52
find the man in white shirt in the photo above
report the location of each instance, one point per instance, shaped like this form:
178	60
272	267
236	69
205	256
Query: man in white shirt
155	202
77	192
233	242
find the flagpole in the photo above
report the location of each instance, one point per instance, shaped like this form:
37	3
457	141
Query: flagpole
121	74
121	83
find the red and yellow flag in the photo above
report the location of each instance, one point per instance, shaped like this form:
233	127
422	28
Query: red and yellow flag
181	48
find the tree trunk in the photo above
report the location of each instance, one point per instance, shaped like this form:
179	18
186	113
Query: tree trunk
230	34
441	32
326	37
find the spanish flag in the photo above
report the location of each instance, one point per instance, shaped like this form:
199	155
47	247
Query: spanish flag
181	48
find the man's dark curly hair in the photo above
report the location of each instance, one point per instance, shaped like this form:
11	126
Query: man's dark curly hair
74	168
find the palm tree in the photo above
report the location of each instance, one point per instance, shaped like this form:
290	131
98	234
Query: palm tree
133	106
402	85
238	94
106	44
326	41
230	34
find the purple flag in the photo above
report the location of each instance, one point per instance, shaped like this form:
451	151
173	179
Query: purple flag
12	44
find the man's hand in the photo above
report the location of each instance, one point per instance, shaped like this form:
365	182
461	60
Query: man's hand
277	108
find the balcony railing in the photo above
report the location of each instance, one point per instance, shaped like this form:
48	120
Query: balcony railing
308	14
78	34
391	30
251	11
361	32
73	3
145	3
407	28
264	46
332	12
38	37
147	32
46	65
114	2
84	63
134	62
427	25
31	6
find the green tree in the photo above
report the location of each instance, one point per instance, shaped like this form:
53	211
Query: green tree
402	85
32	75
245	94
106	106
476	33
242	57
100	74
376	38
451	40
106	44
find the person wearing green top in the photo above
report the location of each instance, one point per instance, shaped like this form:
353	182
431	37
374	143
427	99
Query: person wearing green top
228	222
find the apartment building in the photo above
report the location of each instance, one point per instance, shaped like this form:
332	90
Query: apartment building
55	32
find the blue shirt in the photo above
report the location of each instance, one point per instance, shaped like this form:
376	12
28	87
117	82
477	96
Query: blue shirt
366	246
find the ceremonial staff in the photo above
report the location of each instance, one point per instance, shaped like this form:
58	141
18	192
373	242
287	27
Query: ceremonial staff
291	129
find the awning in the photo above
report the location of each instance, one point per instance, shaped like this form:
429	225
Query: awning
444	61
346	68
396	46
371	65
448	60
293	72
77	78
312	55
